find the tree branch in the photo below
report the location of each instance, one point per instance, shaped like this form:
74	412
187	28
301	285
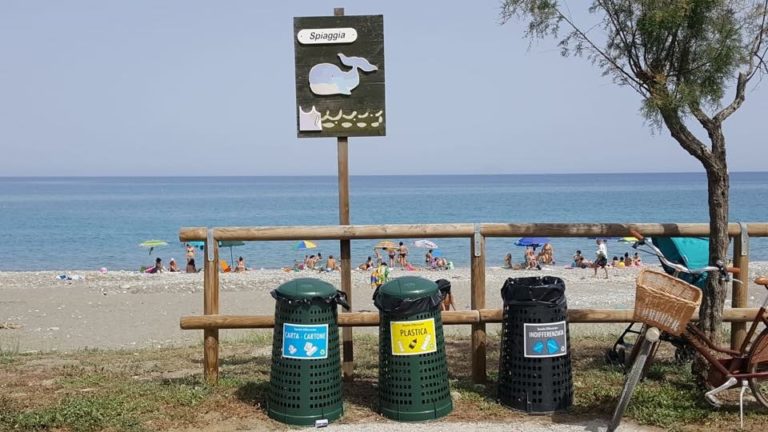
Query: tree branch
680	131
602	54
752	68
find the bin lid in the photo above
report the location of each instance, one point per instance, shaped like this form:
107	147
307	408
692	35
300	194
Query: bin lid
409	287
306	288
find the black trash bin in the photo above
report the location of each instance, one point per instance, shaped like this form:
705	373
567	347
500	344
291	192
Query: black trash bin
305	379
413	373
535	358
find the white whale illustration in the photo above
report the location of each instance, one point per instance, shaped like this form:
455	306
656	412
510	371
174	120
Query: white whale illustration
328	79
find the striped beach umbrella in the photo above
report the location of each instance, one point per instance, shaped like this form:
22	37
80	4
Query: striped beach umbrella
304	244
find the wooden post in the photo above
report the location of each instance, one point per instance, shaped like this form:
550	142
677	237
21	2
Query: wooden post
740	291
342	144
477	289
211	307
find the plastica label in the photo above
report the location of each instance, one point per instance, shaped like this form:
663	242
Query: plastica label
305	341
413	337
545	339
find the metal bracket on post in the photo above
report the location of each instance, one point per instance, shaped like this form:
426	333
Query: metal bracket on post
477	238
744	239
210	244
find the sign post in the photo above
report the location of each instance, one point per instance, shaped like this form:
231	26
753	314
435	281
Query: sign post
334	101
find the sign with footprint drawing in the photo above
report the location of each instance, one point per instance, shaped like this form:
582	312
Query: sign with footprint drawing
339	76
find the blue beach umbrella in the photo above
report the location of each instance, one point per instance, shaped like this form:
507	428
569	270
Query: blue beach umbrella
532	241
304	245
197	243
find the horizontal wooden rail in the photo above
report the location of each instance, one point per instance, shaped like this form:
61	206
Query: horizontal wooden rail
477	233
371	319
362	232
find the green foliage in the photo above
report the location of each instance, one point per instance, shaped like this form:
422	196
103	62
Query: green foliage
77	413
679	54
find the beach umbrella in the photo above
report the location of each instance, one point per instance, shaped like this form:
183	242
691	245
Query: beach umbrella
436	253
385	244
197	243
532	241
152	244
230	244
426	244
628	239
304	244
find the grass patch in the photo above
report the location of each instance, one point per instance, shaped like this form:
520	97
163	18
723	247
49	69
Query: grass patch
162	389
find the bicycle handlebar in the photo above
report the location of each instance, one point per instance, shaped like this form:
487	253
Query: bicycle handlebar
724	272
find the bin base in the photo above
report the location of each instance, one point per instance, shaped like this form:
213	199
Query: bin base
440	411
306	420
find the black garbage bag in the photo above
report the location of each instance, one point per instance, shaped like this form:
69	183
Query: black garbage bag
541	290
339	298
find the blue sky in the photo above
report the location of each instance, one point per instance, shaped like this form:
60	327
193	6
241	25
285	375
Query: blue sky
193	87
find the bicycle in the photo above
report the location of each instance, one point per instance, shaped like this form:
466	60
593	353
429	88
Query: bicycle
664	303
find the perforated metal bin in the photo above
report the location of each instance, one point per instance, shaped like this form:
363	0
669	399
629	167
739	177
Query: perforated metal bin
413	373
535	359
305	379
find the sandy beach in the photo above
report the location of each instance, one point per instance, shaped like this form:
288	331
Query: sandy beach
125	310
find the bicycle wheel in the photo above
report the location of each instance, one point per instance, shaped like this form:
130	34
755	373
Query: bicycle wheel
758	362
638	367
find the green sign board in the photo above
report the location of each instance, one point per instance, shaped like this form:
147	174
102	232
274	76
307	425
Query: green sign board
339	76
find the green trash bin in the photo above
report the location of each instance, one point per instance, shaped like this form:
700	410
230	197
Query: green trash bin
413	373
305	379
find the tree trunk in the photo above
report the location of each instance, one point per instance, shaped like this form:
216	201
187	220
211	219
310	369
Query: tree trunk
711	312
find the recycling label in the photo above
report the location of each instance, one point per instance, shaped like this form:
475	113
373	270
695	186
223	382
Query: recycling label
413	337
545	340
305	341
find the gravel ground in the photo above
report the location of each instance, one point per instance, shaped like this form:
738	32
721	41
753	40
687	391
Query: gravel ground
123	309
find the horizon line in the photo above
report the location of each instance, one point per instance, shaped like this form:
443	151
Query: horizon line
372	175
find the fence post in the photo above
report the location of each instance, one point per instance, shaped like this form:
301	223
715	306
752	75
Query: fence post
477	289
211	307
740	291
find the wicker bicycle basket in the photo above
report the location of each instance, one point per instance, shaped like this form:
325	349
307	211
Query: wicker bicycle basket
665	301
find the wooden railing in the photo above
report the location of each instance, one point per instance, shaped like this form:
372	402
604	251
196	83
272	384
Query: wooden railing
478	316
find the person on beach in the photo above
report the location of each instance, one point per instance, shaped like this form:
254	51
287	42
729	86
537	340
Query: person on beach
429	259
379	276
402	250
378	257
547	255
578	260
240	265
158	268
172	266
530	259
366	265
628	260
508	261
190	252
444	286
636	261
602	257
391	255
191	266
330	264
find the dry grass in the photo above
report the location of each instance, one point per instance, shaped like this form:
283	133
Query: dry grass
163	389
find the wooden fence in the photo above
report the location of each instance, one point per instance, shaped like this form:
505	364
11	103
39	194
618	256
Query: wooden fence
211	322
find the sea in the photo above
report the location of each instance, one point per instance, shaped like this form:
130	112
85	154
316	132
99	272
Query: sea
89	223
